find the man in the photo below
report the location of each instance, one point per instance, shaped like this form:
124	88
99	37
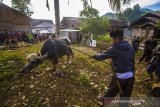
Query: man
122	55
149	45
154	65
135	43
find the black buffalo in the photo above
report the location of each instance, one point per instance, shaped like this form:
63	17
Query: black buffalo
51	50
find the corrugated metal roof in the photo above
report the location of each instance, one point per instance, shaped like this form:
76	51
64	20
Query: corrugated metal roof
149	17
42	23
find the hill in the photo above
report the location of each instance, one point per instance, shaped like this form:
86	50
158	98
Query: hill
116	16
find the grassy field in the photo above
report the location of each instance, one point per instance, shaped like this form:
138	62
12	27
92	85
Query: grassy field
82	82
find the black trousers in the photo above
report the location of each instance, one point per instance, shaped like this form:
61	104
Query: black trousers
113	89
126	86
147	55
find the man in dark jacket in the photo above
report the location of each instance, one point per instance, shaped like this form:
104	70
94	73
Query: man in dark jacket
122	55
135	43
149	45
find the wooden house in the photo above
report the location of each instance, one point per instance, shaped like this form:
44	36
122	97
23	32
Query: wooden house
118	25
11	19
70	27
146	25
42	26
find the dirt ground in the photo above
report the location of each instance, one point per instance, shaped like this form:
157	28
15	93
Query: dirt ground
77	84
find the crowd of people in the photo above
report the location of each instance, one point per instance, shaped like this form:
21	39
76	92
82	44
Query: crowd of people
13	38
151	55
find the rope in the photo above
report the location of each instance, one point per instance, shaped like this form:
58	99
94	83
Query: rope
89	55
114	73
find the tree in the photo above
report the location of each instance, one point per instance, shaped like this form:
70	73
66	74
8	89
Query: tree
136	12
127	13
92	23
131	14
57	17
89	12
22	6
116	4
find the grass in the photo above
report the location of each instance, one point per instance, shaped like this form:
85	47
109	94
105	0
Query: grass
83	81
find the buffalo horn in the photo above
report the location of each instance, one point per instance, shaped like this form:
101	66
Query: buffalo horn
41	58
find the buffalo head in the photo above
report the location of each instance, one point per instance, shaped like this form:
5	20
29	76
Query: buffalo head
33	63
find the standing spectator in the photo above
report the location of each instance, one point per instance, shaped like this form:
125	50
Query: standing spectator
154	65
149	45
40	37
2	37
35	37
135	43
30	37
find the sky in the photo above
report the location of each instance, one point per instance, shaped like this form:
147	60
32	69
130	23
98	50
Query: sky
154	6
71	8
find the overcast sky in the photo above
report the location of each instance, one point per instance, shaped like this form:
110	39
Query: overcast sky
73	8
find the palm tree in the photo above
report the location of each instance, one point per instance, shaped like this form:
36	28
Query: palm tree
57	17
116	4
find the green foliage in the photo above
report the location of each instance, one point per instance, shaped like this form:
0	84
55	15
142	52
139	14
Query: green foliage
103	38
116	4
8	62
11	61
98	25
85	77
89	12
22	6
131	14
92	23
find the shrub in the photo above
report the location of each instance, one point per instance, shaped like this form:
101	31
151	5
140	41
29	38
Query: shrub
84	77
103	38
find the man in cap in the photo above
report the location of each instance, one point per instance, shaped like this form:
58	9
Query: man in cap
122	55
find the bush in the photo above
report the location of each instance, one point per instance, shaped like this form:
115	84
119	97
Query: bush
103	41
85	77
103	38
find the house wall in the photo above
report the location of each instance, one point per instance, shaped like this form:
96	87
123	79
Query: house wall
145	32
11	19
127	32
75	37
137	32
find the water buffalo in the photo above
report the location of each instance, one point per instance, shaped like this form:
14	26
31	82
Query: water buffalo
51	50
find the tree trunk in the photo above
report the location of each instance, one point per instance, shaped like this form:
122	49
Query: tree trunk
57	17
